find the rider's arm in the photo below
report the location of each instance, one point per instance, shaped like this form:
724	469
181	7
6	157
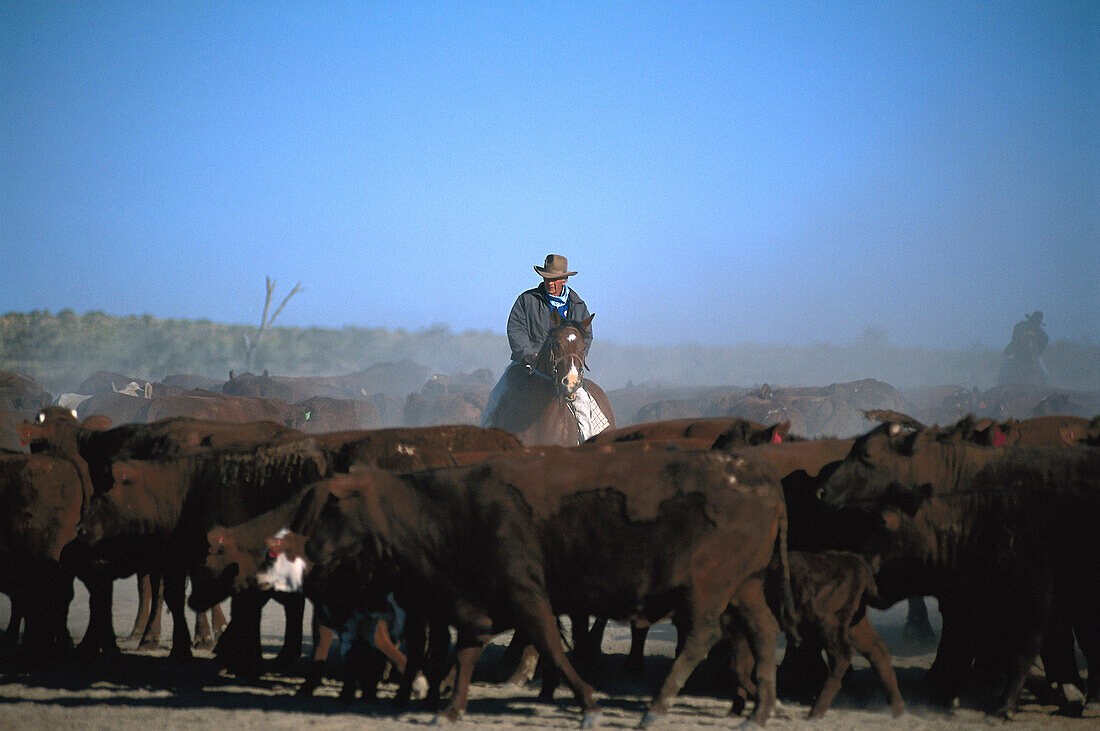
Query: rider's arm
519	333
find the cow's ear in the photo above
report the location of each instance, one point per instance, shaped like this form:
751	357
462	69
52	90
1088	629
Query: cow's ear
997	437
216	537
1069	435
97	422
779	432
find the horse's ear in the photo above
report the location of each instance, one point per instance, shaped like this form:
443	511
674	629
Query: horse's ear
555	318
588	321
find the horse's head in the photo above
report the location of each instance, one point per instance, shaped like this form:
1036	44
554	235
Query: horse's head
562	355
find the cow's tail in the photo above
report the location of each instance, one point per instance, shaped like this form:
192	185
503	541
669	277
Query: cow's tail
788	613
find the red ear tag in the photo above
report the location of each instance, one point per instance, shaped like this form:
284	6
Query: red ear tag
272	554
777	438
999	439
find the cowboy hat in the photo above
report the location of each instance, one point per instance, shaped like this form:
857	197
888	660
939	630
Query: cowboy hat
555	267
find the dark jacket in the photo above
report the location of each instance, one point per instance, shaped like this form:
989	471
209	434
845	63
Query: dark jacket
529	322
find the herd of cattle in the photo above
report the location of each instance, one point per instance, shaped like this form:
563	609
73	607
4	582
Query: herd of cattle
731	513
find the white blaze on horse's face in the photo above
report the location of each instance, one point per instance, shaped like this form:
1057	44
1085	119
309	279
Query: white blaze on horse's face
571	381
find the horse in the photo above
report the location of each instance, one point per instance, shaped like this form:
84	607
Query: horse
538	404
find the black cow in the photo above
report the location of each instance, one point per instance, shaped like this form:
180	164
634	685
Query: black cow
999	536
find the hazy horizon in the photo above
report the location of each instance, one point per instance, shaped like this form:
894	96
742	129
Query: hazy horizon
718	173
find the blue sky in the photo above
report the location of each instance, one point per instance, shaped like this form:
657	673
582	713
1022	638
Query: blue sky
719	173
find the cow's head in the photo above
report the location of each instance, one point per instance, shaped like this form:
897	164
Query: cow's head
228	568
144	498
887	456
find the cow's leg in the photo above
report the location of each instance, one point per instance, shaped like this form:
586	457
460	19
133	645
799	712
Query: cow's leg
239	650
741	664
802	672
438	666
322	641
586	641
150	636
871	646
523	656
11	635
175	582
635	659
1030	622
762	632
918	627
839	653
1062	676
294	606
705	632
1088	636
940	685
100	635
416	639
204	636
145	600
541	625
217	621
469	650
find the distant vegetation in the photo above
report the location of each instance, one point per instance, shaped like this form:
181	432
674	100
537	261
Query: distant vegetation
59	351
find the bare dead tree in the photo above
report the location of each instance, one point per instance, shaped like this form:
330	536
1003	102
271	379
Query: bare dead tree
250	344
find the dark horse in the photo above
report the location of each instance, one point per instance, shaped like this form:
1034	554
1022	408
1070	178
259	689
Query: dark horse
537	407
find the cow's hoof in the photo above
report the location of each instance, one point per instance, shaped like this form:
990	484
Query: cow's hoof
1070	699
650	719
448	716
592	719
180	655
420	686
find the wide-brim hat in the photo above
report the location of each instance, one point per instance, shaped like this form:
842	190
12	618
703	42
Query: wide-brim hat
556	266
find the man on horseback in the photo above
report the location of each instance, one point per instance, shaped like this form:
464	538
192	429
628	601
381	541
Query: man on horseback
529	323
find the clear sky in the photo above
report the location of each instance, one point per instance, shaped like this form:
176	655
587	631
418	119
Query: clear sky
718	172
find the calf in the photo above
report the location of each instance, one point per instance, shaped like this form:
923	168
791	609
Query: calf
831	592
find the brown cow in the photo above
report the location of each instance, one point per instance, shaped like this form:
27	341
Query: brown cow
319	414
515	541
831	592
40	503
705	430
22	393
211	406
393	379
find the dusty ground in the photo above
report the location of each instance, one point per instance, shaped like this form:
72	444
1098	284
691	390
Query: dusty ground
146	690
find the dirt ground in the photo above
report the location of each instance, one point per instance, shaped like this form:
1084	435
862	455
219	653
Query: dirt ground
146	690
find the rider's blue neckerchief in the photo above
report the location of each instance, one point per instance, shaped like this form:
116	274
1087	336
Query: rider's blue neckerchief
561	302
